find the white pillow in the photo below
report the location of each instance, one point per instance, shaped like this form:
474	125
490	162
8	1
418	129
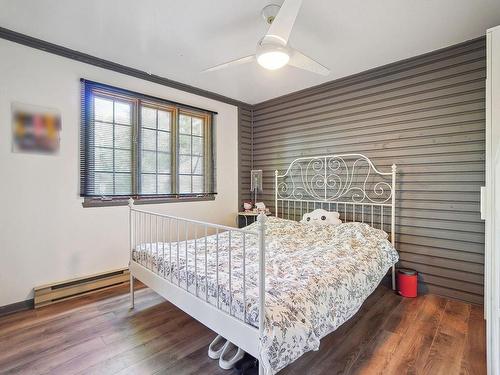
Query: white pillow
321	217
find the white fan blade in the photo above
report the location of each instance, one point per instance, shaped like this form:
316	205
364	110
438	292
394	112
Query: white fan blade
242	60
301	61
282	25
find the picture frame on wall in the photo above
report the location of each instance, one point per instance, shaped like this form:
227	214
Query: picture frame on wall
35	129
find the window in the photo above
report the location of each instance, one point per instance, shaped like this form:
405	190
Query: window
147	148
191	154
156	151
112	122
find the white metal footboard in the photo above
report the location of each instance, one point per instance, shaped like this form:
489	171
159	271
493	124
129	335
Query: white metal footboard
159	246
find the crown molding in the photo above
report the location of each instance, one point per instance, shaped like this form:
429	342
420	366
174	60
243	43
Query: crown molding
56	49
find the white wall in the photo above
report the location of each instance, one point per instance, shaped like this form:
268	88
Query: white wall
45	233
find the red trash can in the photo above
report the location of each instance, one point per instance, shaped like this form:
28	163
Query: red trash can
407	282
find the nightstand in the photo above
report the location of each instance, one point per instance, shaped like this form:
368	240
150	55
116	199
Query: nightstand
245	218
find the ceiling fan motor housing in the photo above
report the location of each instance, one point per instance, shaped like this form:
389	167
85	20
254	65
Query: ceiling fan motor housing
269	12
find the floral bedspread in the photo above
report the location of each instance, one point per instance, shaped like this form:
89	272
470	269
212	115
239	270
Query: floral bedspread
317	277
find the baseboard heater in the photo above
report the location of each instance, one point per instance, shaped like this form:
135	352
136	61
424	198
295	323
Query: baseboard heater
64	290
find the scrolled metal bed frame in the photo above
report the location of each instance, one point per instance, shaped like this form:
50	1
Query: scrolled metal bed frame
348	183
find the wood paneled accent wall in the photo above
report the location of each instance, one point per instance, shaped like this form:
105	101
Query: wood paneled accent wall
427	115
245	151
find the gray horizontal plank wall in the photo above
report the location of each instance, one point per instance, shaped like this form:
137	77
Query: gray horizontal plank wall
245	151
427	115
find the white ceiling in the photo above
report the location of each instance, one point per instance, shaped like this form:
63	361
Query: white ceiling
177	39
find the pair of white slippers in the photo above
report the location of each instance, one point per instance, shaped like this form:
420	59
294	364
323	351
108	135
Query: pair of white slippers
225	351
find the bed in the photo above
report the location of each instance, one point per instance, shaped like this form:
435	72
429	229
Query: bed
276	287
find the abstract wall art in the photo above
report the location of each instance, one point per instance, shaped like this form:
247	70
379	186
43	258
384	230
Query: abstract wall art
35	129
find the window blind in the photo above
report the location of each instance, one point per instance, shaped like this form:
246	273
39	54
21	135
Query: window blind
135	145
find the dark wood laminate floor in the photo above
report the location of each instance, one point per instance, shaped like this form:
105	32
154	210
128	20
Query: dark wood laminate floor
98	334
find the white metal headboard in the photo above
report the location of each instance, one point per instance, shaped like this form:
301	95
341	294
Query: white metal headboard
347	183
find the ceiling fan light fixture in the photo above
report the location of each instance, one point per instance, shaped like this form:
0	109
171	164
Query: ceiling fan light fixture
273	60
273	55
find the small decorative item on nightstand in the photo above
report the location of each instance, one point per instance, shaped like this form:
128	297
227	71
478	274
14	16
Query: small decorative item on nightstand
247	205
248	217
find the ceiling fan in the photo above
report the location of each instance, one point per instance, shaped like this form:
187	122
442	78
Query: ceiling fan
273	51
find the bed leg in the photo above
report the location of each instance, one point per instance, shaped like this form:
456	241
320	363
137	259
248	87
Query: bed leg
131	291
393	277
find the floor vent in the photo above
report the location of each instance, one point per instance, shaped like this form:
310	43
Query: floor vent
64	290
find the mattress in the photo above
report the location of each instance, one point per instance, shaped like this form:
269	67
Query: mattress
317	277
